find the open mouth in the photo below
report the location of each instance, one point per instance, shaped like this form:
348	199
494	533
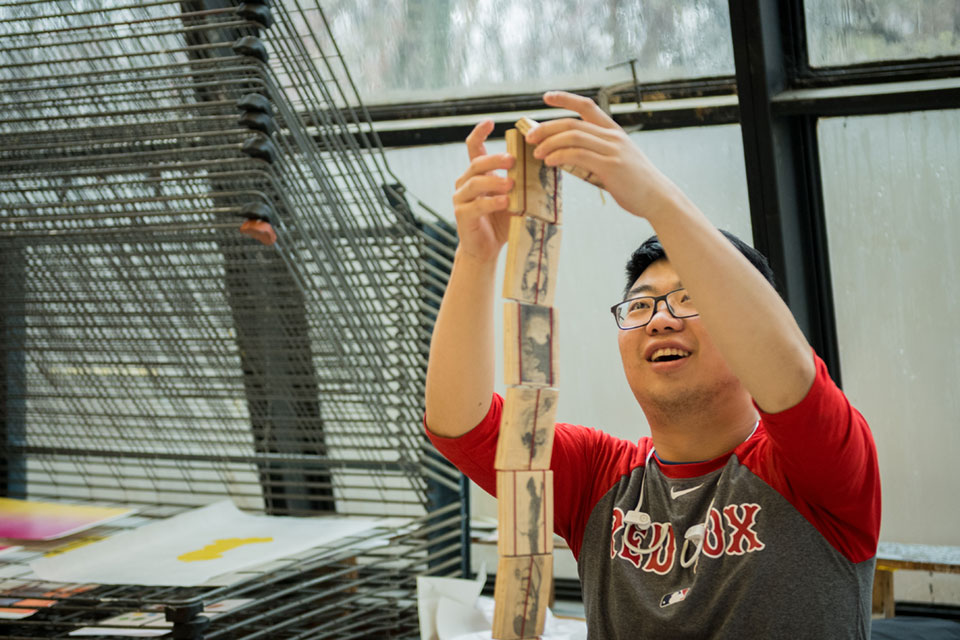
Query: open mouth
669	355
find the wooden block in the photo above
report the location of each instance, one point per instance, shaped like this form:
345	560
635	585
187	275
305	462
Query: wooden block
536	189
883	601
533	252
526	125
530	344
525	506
521	593
526	428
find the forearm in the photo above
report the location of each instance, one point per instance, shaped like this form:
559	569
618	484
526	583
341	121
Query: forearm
460	369
751	325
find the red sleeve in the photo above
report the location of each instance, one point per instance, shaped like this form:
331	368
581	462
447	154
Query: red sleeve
586	463
822	458
474	452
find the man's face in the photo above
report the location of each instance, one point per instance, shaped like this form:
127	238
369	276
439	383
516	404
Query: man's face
659	379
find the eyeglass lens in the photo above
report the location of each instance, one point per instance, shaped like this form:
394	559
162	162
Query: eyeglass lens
639	311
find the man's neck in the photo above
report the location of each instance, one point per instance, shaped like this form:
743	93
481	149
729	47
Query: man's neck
701	433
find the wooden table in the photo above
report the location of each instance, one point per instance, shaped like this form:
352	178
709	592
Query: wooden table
893	556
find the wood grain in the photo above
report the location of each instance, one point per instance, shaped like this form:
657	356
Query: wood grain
522	592
526	428
536	189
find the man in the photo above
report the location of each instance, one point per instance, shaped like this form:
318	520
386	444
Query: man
754	509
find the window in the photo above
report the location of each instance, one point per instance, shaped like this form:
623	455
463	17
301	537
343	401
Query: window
438	49
842	32
891	200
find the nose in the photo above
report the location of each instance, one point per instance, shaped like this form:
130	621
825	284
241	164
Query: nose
663	320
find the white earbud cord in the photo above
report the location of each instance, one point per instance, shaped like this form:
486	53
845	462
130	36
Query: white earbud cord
641	520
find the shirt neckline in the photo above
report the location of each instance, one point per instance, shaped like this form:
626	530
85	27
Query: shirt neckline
701	468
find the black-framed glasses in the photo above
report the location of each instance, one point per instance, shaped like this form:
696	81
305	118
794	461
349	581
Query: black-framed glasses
638	312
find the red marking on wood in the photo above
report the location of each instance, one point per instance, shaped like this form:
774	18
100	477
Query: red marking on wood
556	189
533	436
519	342
514	474
526	599
543	241
523	149
551	347
543	502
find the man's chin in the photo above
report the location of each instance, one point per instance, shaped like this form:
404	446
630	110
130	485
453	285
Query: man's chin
667	396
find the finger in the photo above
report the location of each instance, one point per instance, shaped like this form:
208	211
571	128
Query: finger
479	207
577	157
485	164
585	107
575	137
477	137
554	127
482	186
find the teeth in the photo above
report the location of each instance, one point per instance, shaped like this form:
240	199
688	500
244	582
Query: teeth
660	353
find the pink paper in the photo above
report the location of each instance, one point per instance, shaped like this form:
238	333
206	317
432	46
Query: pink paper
30	520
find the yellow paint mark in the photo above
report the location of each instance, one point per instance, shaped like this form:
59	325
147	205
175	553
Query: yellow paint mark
218	548
70	546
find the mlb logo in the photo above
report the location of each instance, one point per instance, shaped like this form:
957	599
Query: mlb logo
674	598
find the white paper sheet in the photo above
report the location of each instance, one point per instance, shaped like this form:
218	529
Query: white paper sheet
195	546
452	609
430	591
124	633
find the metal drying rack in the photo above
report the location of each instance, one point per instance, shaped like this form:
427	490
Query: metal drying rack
152	355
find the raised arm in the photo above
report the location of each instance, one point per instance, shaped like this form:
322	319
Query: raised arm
460	369
750	324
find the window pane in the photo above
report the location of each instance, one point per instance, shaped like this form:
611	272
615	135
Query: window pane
841	32
892	199
402	50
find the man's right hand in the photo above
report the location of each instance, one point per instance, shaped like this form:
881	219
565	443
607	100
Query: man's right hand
460	371
480	200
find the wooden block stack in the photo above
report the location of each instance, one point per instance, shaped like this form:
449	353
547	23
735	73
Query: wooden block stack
524	479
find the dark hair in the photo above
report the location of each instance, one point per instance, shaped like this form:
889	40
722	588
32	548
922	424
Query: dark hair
651	250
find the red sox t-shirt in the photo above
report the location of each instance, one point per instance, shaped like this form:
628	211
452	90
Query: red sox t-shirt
775	539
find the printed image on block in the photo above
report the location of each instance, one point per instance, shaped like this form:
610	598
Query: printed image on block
526	428
522	593
533	252
530	341
525	504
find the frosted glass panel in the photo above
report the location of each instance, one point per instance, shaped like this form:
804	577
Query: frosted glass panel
841	32
893	218
401	50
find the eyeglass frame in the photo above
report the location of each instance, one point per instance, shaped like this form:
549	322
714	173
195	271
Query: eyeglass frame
656	305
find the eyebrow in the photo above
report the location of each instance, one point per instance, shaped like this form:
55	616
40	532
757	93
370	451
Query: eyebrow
649	288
